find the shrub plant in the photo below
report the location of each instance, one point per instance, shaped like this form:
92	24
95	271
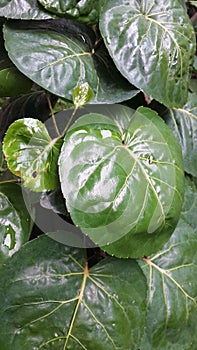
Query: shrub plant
98	134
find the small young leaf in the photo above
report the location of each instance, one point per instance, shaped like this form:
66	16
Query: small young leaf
122	177
183	122
32	154
152	44
82	95
49	299
15	222
172	307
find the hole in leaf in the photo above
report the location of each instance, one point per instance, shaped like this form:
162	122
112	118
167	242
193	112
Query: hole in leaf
34	174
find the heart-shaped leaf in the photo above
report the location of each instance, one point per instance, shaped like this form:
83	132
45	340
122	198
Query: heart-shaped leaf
172	307
23	9
15	222
152	44
32	154
122	178
86	11
59	62
183	122
50	299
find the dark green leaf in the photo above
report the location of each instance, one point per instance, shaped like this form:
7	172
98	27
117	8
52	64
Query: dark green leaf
50	300
15	222
189	210
172	308
23	9
122	178
2	161
152	44
12	82
82	95
86	11
54	200
32	154
183	122
61	62
31	104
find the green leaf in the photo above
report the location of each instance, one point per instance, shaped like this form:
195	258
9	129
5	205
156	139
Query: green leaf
12	82
183	122
59	62
152	44
2	160
82	95
32	154
121	175
15	222
189	210
54	302
172	307
86	11
23	9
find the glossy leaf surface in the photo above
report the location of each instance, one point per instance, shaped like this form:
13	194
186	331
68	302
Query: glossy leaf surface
172	307
122	178
183	122
86	11
32	154
23	9
54	302
15	222
153	44
59	62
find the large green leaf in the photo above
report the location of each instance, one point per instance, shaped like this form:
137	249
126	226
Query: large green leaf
15	223
122	178
183	122
32	154
50	300
59	62
172	307
153	44
86	11
23	9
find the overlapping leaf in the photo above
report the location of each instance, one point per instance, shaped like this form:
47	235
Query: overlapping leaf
86	11
59	62
15	222
172	309
121	175
54	302
183	122
32	154
23	9
153	44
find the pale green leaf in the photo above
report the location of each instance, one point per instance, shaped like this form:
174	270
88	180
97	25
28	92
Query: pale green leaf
32	154
122	177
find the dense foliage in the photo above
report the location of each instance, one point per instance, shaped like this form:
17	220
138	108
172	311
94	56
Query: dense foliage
98	169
